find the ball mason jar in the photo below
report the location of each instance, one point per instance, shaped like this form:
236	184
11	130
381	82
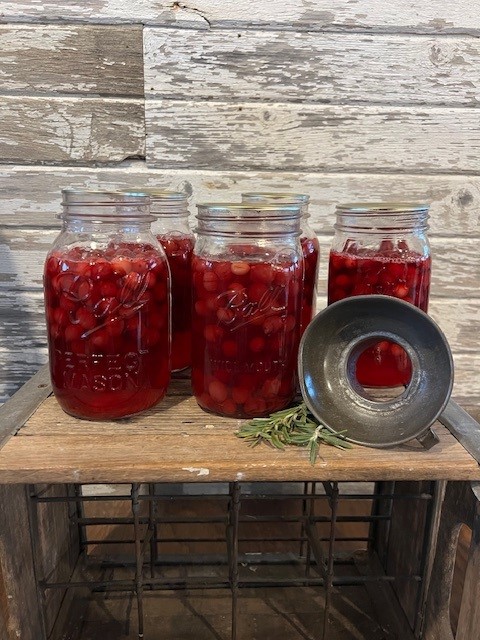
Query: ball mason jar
309	243
107	303
171	228
381	248
247	282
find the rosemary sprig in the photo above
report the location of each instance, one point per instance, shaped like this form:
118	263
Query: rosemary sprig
294	426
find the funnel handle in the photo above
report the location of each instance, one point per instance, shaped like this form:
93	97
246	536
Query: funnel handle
428	439
463	426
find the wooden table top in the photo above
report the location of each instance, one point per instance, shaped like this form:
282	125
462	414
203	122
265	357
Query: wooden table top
179	442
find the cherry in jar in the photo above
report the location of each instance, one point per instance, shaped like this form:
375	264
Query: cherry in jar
107	307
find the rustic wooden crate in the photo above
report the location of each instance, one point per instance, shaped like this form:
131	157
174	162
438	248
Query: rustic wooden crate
47	454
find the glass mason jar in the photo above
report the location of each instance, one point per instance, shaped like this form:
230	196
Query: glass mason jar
172	230
247	283
381	248
310	248
107	303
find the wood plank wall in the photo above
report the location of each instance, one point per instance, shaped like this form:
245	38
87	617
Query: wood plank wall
346	100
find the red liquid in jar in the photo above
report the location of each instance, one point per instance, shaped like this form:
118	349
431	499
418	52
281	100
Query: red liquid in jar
245	335
108	329
311	252
179	254
401	274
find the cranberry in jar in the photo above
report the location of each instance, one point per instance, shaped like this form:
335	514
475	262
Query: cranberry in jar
172	230
381	248
247	283
310	248
107	303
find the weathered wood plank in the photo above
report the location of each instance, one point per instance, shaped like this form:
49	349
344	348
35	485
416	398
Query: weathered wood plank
35	191
465	387
18	367
288	137
19	605
56	545
13	415
469	615
70	129
114	452
405	552
23	337
343	15
19	364
54	59
459	506
310	67
456	266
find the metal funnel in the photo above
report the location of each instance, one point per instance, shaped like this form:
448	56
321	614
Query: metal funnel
328	353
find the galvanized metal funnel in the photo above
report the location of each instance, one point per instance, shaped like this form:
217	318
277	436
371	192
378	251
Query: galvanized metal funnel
328	353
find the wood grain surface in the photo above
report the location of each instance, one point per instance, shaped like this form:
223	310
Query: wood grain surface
309	137
74	59
455	271
178	442
311	15
455	199
274	66
69	130
20	614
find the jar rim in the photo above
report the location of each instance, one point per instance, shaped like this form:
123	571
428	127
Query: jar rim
166	194
284	210
384	208
99	197
106	206
282	196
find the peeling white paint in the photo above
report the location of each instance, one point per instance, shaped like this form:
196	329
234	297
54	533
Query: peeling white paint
375	15
310	137
312	67
199	471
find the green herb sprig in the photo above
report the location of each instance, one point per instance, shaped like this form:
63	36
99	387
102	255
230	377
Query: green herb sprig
294	426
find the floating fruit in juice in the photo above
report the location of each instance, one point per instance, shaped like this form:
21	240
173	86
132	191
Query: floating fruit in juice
393	272
108	329
245	333
178	250
311	253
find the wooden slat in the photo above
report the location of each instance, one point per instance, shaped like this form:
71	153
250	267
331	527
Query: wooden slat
66	130
21	359
23	319
55	541
70	59
459	506
13	415
311	67
23	339
390	614
456	266
288	137
19	605
178	442
465	387
459	320
455	199
469	615
405	553
406	15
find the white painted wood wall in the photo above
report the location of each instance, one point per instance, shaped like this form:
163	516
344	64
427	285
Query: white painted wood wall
343	100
